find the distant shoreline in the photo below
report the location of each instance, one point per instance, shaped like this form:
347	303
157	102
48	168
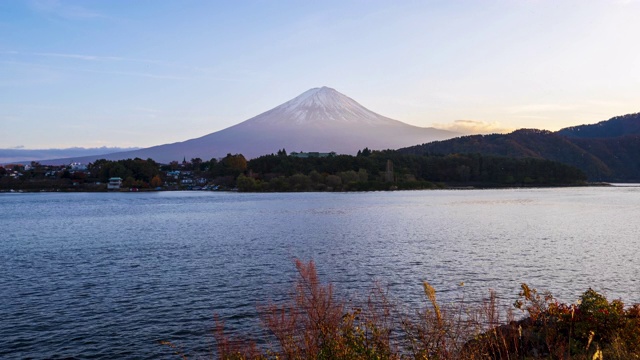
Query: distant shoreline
459	187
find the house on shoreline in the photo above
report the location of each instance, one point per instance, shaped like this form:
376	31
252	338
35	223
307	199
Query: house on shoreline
114	183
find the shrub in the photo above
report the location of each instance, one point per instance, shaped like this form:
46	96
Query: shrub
314	324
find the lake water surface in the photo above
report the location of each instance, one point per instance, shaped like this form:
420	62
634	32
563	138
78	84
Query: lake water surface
109	275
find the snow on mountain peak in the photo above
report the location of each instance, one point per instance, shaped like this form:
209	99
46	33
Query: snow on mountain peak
321	107
320	97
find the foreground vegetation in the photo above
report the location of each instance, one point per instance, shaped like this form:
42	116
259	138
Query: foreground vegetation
314	324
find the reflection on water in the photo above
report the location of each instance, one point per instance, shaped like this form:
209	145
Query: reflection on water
108	275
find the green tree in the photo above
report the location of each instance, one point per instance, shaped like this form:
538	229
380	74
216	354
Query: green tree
300	182
334	182
364	152
315	177
196	164
362	175
348	177
245	183
279	184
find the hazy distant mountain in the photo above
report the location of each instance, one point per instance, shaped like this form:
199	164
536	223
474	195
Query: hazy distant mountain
320	119
607	151
25	155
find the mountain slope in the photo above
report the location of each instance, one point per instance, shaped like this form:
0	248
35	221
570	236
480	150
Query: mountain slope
25	155
320	119
614	127
591	148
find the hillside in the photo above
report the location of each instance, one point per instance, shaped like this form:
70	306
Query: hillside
592	148
615	127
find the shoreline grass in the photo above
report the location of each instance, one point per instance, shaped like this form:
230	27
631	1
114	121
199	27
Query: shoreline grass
313	323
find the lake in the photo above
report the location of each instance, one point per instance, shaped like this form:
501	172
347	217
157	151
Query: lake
109	275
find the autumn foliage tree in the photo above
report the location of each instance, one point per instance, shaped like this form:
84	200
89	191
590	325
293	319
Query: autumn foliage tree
156	181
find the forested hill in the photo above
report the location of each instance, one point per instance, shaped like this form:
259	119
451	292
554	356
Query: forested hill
601	155
615	127
383	170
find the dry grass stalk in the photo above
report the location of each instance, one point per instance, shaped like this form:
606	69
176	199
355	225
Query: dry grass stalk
313	324
232	348
310	322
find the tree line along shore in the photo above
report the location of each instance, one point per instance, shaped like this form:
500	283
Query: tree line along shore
297	172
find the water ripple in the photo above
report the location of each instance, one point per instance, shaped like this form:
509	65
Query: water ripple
102	276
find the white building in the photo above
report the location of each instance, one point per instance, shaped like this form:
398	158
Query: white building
76	166
114	183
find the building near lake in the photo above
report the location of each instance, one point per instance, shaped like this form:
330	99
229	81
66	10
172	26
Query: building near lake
312	154
76	166
114	183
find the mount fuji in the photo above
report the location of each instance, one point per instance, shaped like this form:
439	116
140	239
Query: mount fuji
320	119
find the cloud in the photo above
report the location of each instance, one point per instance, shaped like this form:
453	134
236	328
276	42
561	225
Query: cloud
81	57
64	10
147	112
473	127
213	74
104	58
59	68
138	74
540	108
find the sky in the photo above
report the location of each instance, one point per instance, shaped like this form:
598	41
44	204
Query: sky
93	73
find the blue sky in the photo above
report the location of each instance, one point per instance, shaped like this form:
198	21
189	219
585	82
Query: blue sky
146	72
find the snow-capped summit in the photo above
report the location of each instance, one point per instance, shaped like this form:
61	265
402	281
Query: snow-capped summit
320	119
318	107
